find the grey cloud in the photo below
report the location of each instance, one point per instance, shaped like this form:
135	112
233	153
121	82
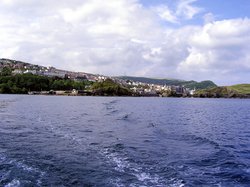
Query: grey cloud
217	55
119	37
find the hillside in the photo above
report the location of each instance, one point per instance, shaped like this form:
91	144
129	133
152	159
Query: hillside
188	84
241	88
18	68
235	91
110	88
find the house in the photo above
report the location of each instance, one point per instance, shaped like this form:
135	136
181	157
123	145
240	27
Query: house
17	71
30	71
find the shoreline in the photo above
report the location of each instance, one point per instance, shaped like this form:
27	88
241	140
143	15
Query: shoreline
142	96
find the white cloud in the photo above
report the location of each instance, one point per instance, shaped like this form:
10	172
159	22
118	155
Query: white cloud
208	18
219	50
121	36
187	10
166	14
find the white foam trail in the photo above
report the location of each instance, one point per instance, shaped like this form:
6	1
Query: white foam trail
176	183
13	183
117	182
24	167
123	165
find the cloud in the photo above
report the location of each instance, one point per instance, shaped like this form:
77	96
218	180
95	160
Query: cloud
166	14
208	18
187	10
184	10
90	25
123	37
219	50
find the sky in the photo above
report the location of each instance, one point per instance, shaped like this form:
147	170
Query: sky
179	39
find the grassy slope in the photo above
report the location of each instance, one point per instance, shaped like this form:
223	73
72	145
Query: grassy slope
241	88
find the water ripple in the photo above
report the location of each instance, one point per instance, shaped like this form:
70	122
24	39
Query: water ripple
113	141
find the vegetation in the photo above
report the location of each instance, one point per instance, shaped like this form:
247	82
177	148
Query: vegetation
241	90
21	84
199	85
110	88
6	71
187	84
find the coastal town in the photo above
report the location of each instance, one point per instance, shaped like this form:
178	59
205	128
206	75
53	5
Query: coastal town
137	88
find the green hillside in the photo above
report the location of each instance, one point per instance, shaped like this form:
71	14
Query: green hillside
110	88
189	84
240	90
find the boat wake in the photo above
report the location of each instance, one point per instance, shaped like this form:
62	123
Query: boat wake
129	172
17	173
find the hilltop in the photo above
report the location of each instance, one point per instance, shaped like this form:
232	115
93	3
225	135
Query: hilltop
19	67
234	91
188	84
22	77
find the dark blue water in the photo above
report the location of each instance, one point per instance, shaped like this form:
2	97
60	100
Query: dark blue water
115	141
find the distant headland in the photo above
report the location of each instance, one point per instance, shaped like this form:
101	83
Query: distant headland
17	77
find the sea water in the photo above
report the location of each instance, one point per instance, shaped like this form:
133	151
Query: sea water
123	141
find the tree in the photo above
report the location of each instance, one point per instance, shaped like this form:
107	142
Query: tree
6	71
4	88
109	87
